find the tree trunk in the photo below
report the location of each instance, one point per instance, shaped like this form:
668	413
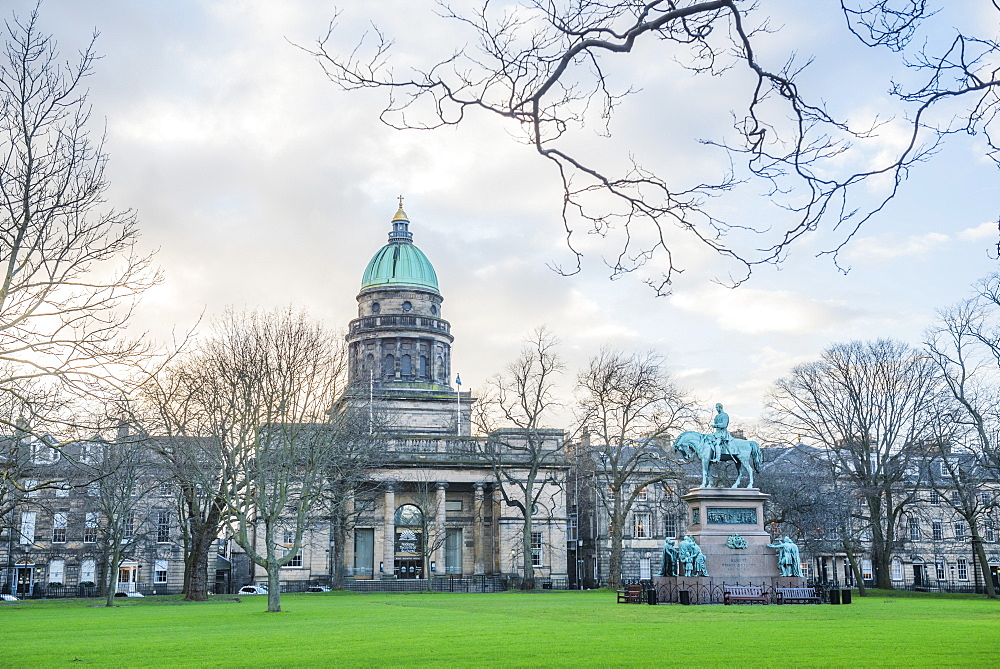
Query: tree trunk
112	580
855	569
338	566
197	568
201	534
273	588
528	582
984	564
615	561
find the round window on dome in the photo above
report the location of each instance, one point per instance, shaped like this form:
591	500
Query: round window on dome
434	310
375	307
407	306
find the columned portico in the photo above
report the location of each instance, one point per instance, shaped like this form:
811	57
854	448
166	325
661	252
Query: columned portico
389	531
477	528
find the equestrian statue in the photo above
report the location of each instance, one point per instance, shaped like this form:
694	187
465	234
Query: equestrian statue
720	446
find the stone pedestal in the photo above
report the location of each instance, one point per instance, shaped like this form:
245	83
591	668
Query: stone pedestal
715	515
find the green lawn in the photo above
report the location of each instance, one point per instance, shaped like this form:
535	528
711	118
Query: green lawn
508	629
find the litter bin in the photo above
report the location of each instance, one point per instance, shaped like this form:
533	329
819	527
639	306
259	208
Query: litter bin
651	596
834	596
845	596
685	596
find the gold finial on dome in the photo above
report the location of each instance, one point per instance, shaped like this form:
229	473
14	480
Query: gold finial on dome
400	214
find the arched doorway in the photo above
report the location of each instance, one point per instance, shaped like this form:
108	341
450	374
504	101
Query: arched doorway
24	571
919	573
409	548
128	576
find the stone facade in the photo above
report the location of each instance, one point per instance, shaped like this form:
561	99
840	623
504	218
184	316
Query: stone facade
56	534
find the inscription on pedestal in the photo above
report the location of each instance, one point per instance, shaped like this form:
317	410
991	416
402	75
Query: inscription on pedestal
728	516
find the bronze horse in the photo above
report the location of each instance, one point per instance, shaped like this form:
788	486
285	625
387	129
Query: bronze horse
745	453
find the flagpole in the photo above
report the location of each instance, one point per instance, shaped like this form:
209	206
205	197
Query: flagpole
371	401
458	405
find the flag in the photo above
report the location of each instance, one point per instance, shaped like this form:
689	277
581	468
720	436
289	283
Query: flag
458	379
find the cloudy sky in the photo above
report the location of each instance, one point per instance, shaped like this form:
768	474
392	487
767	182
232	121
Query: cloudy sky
261	184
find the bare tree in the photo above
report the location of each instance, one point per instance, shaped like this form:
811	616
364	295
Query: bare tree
271	381
180	407
70	270
965	345
809	502
628	405
121	471
554	69
866	405
522	399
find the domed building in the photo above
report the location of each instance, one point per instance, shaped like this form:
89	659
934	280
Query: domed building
433	508
400	346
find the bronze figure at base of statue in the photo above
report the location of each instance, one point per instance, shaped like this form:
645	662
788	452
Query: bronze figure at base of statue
726	537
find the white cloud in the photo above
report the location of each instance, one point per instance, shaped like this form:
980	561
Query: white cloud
753	311
980	232
868	249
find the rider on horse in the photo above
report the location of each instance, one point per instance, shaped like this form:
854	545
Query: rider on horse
722	436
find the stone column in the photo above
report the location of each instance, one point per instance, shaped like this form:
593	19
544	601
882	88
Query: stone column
348	538
389	531
477	528
438	556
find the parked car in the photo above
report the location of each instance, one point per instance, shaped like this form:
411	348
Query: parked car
253	590
318	588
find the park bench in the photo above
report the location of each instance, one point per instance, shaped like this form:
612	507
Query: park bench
797	596
732	594
632	594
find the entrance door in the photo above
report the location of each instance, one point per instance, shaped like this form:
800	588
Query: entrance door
409	568
364	553
128	576
24	573
918	575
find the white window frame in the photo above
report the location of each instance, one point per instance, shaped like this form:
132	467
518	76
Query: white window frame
160	571
940	570
642	495
896	569
162	526
961	529
963	569
914	528
536	550
90	526
27	530
288	537
57	571
670	525
866	569
59	527
641	525
88	570
937	530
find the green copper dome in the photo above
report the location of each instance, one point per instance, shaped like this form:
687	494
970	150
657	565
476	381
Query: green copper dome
400	263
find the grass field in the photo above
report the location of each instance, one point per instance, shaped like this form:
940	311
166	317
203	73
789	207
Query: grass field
507	629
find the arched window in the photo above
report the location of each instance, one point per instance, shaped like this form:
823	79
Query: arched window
407	365
389	366
423	367
440	369
408	515
369	366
